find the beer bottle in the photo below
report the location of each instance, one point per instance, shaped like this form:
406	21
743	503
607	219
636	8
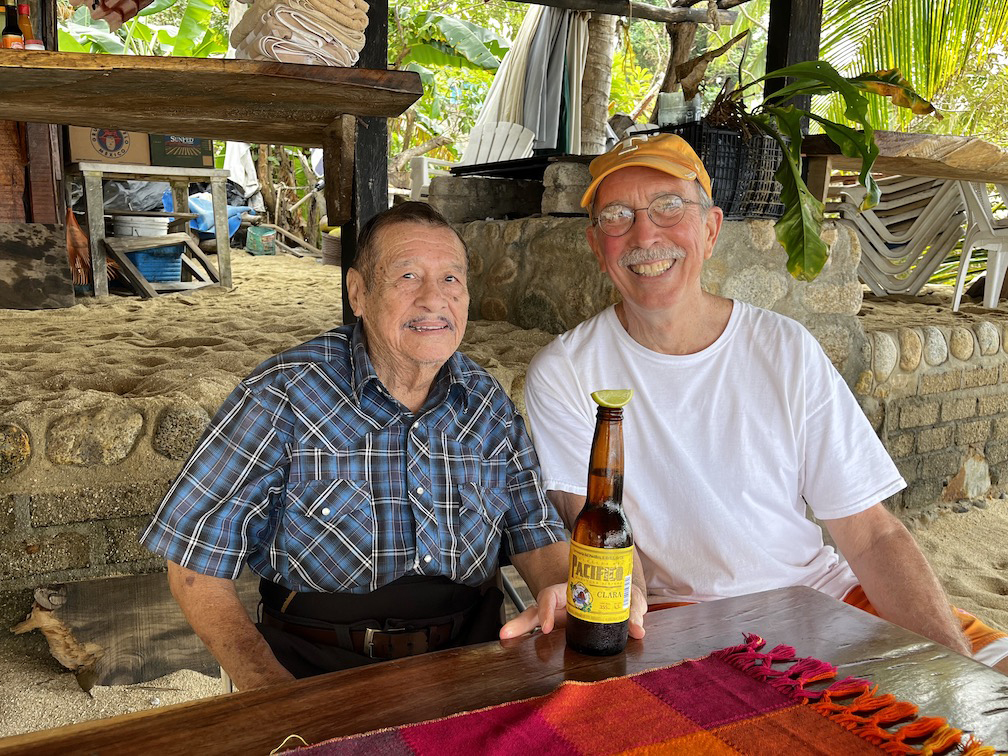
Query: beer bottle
601	549
12	36
24	22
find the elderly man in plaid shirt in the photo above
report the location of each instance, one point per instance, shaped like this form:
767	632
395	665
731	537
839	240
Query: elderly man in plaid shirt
370	477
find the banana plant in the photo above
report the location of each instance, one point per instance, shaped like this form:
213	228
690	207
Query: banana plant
799	228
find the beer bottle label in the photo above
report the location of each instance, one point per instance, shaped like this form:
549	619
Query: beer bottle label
599	585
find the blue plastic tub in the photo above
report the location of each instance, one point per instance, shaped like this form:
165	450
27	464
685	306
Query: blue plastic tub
159	263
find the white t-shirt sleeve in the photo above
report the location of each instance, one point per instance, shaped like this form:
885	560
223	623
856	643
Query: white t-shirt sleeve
847	469
560	420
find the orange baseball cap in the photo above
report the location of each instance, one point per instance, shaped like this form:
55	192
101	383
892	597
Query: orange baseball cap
667	153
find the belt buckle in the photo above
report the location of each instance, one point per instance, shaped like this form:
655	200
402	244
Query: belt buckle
369	633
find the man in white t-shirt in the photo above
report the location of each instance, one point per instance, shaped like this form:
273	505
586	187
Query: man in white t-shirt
739	422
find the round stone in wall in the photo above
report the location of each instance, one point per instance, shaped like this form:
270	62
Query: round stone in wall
101	436
15	449
935	346
961	343
178	430
988	337
910	348
884	355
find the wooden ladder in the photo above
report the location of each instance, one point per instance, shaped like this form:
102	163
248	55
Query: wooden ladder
117	247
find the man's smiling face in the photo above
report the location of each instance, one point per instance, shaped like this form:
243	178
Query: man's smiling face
416	310
651	266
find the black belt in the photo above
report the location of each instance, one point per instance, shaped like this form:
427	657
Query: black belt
377	643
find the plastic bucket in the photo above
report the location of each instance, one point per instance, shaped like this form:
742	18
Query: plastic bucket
126	226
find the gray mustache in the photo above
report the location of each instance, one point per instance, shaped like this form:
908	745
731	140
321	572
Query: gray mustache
427	319
639	255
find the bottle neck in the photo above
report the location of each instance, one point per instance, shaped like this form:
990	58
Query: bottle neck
605	467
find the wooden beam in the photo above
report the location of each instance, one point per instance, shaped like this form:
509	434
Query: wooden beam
338	144
239	100
792	37
639	11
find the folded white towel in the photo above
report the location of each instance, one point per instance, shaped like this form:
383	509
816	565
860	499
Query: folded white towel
297	30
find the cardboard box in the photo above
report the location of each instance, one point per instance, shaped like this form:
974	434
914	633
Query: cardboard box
109	145
185	152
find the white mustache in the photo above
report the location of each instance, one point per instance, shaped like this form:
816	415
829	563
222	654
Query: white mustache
639	255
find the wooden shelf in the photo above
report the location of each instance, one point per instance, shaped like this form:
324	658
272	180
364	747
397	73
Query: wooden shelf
239	100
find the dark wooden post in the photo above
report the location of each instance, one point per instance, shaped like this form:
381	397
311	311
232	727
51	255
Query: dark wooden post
792	37
370	184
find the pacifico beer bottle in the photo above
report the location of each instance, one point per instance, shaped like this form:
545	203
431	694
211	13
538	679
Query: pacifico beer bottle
601	549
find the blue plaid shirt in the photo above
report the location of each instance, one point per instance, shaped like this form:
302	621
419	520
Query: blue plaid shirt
320	480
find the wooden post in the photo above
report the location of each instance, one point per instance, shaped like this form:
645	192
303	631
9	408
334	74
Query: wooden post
370	186
792	37
218	193
95	201
338	144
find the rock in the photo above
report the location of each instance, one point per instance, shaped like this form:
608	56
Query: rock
961	343
178	430
971	482
935	346
988	337
911	349
101	436
884	356
15	449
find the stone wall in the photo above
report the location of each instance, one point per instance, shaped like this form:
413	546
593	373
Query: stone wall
938	397
540	273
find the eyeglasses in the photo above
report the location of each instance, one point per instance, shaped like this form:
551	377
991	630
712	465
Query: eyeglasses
664	210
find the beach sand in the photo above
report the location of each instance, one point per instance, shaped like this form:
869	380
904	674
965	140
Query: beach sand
195	347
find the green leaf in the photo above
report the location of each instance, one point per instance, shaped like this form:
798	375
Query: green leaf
101	39
799	230
69	43
854	144
195	21
891	84
157	6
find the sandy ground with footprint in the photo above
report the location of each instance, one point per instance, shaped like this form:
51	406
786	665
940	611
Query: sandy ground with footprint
199	345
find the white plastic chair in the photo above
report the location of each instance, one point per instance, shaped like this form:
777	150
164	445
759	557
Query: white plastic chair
982	232
493	142
488	143
907	235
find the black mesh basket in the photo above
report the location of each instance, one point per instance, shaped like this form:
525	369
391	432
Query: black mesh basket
741	169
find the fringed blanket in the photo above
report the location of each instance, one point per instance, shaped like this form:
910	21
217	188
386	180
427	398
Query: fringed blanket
736	700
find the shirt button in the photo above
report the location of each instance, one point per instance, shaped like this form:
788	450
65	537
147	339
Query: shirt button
325	511
426	559
419	490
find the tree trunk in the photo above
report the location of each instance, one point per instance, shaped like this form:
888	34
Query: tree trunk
596	82
681	37
265	176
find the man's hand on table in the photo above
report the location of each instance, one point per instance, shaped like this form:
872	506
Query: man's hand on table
550	611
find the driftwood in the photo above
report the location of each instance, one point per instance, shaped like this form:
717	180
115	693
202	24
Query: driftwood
79	658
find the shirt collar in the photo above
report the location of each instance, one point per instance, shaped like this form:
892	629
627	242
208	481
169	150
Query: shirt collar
454	371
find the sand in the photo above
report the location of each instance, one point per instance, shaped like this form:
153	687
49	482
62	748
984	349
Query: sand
202	343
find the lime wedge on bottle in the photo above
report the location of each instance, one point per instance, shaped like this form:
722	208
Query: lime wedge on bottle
612	398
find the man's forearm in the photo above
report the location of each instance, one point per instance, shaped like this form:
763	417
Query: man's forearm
903	588
544	566
213	609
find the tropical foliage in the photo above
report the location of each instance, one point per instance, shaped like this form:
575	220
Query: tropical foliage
195	28
934	43
799	229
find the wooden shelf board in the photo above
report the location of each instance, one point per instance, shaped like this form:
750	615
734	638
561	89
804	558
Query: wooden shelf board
239	100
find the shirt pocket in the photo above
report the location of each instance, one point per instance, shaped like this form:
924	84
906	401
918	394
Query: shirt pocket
477	526
331	532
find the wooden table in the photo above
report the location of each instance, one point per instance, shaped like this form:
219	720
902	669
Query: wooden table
179	178
937	155
940	681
